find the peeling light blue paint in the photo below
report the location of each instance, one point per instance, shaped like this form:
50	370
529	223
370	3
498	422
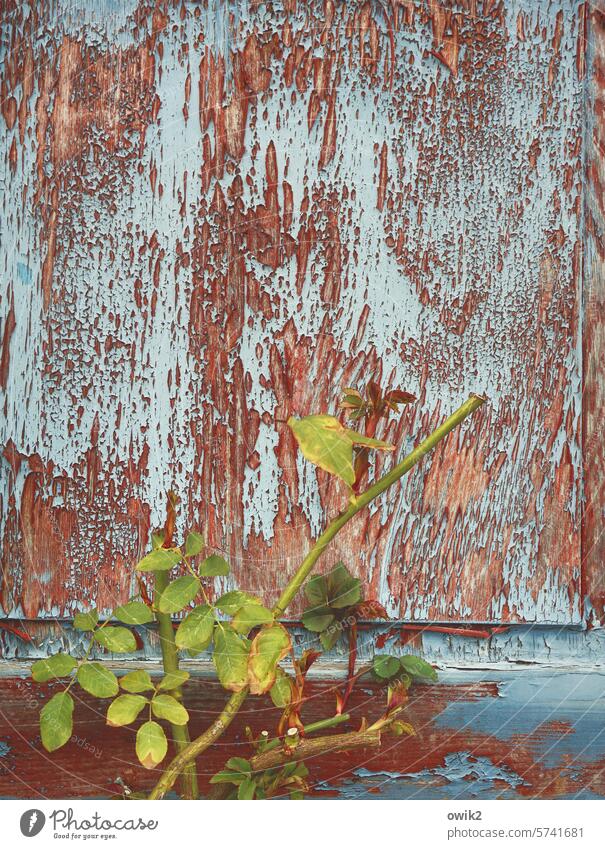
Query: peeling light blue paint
461	776
542	647
477	774
443	214
530	701
25	273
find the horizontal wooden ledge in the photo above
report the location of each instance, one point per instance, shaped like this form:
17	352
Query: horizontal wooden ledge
542	645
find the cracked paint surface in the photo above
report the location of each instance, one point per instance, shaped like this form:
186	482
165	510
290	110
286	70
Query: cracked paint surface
215	217
461	776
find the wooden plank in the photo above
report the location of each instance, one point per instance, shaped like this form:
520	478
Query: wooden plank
215	220
593	336
479	736
456	645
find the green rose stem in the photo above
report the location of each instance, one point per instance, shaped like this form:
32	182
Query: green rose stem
320	725
201	743
219	791
310	748
170	662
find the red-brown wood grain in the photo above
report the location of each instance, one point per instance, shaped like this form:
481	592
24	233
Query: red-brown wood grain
593	393
472	740
218	217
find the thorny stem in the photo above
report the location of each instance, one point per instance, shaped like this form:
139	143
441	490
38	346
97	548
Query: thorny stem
170	662
170	657
320	725
201	743
314	747
218	791
305	568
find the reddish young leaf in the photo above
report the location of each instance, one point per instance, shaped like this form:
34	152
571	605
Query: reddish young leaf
339	704
397	696
370	609
308	657
374	393
398	396
143	590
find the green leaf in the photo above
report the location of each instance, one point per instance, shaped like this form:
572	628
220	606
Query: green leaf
298	769
398	728
157	539
116	639
213	566
246	789
385	666
270	645
160	560
317	618
167	707
97	680
133	613
417	667
316	591
179	593
329	637
125	709
249	616
404	680
326	443
230	658
151	745
281	691
343	589
233	601
58	666
56	721
239	765
193	544
137	681
173	680
226	776
195	631
328	594
86	621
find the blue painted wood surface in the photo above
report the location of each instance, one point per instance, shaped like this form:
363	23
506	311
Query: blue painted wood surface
215	215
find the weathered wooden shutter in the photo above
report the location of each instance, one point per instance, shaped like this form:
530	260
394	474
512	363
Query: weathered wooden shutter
216	217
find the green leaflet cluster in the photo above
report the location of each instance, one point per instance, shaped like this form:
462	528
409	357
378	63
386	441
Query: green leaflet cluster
242	782
333	599
56	717
388	668
240	662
